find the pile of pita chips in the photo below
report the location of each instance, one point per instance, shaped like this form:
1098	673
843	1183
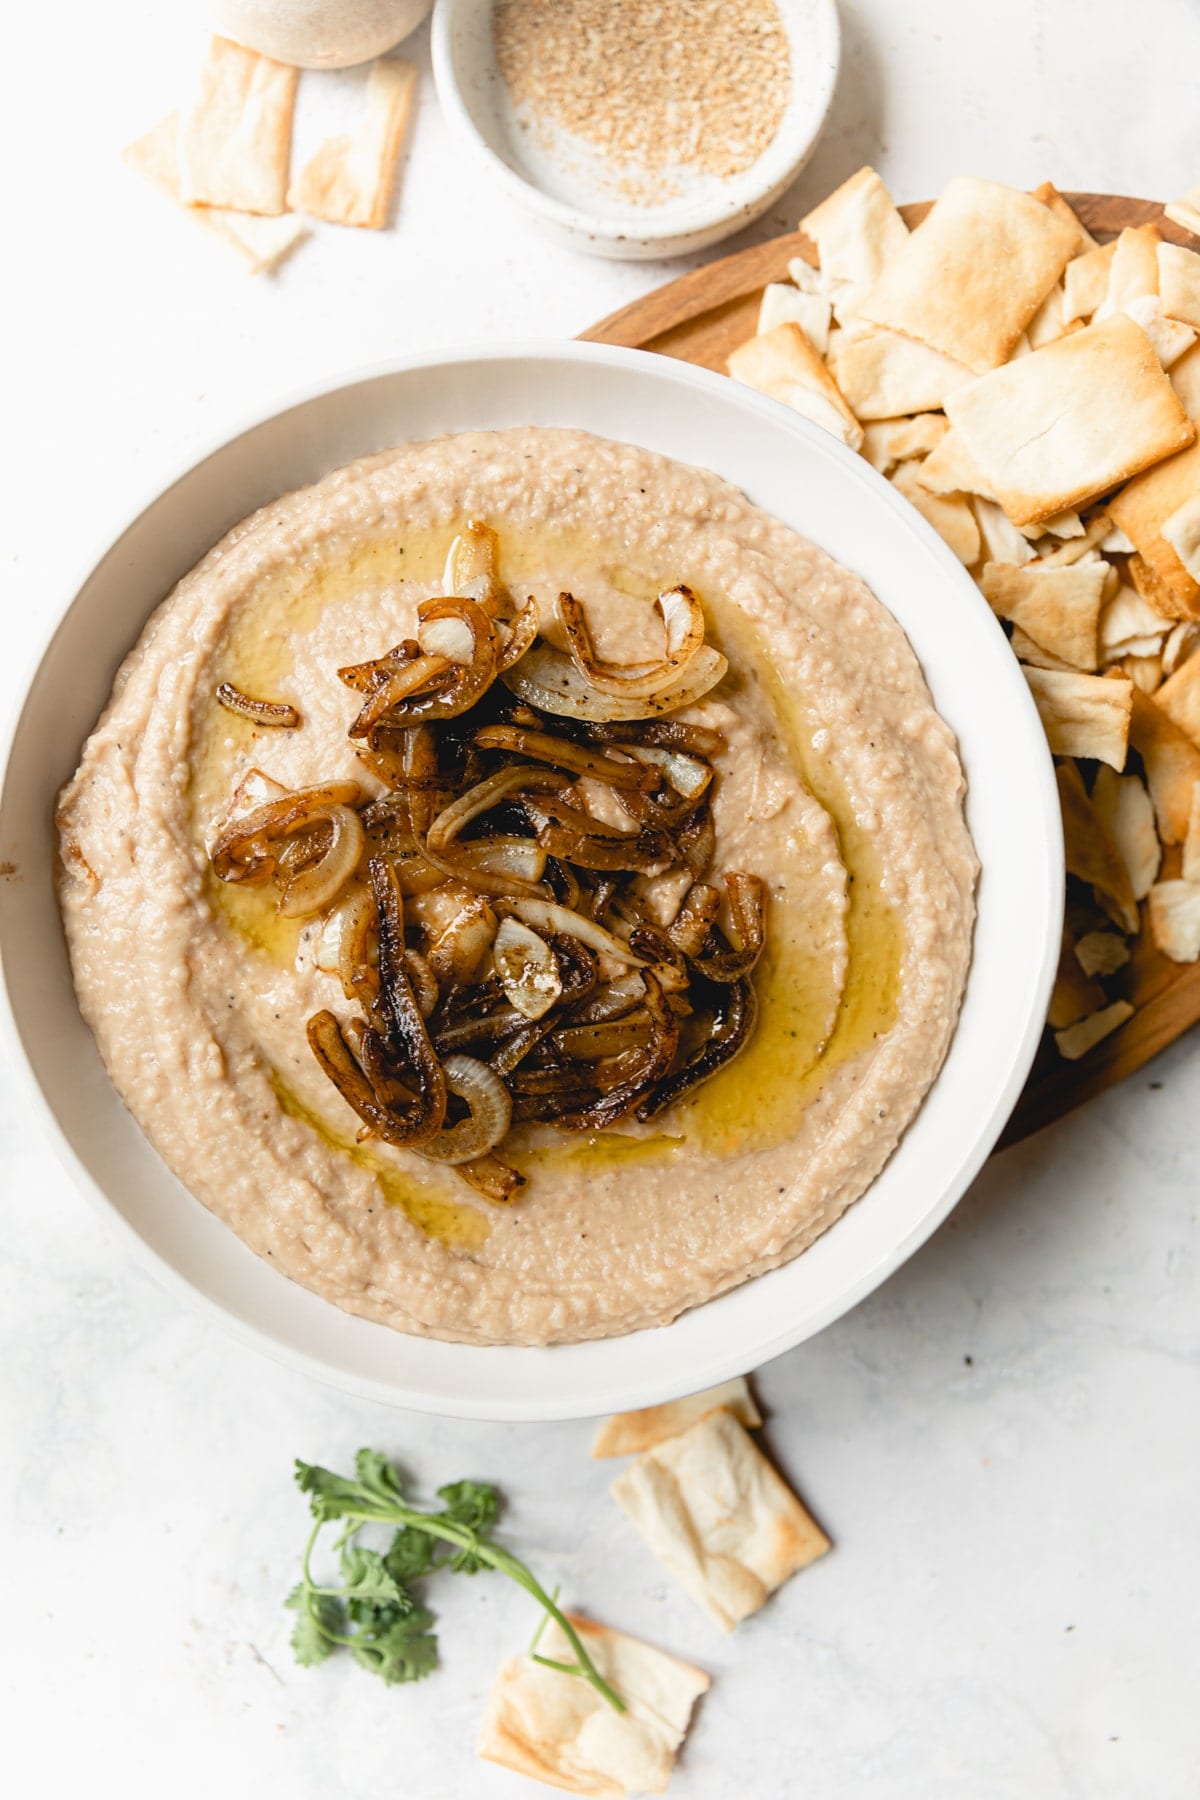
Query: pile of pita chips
1036	396
227	157
554	1728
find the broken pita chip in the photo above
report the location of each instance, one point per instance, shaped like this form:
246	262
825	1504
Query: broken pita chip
806	276
1169	337
1173	909
1074	994
1185	379
264	242
1127	621
1085	283
1058	608
949	514
1091	853
626	1434
1069	422
971	276
1183	640
1133	271
1049	321
1126	812
235	140
1179	698
1171	762
1145	672
1002	542
887	442
1179	283
1141	509
857	231
1028	650
1083	715
1182	531
783	364
1190	866
884	374
1078	1039
553	1727
719	1517
951	469
349	179
811	312
1101	953
1049	196
1186	212
1074	550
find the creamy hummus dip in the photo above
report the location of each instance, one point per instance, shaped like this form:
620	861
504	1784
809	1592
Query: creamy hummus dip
839	784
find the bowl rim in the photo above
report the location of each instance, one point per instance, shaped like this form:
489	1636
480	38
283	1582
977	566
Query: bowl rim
704	222
728	1362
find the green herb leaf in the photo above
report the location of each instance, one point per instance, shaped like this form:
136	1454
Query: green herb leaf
402	1650
320	1615
332	1495
378	1476
475	1504
365	1578
413	1553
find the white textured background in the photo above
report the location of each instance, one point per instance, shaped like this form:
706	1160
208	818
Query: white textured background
1003	1442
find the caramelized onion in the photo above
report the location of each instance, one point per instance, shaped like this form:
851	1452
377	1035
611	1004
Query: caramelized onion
459	950
473	566
683	625
735	1013
543	746
495	1180
696	916
409	1053
490	1112
319	885
527	967
520	778
747	906
333	1053
697	740
260	712
546	915
634	1074
548	680
519	636
247	848
408	679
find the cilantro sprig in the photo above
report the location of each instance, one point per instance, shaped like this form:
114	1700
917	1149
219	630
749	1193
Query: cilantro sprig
372	1612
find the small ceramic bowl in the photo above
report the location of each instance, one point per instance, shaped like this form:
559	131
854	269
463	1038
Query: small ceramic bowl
579	205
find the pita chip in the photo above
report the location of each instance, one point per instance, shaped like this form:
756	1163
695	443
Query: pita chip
1183	640
1048	322
1002	542
1028	650
951	469
1071	421
884	374
1126	812
1058	608
235	141
857	231
973	274
1173	909
349	179
1083	715
1179	698
949	514
1182	532
889	441
1078	1039
1142	509
1186	212
784	364
719	1517
1101	953
262	241
1133	272
1085	282
1169	336
1179	283
627	1434
1049	196
1128	623
1091	854
782	302
1171	762
555	1728
1190	867
1075	550
1074	994
806	276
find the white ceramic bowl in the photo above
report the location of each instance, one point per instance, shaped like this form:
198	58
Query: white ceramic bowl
584	211
802	476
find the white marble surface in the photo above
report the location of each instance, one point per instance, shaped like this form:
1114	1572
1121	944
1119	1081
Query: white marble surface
1003	1442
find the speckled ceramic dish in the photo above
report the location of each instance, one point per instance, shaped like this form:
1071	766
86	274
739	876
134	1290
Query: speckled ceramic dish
575	197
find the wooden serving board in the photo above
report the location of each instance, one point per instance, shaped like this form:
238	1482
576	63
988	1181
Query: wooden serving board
707	313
